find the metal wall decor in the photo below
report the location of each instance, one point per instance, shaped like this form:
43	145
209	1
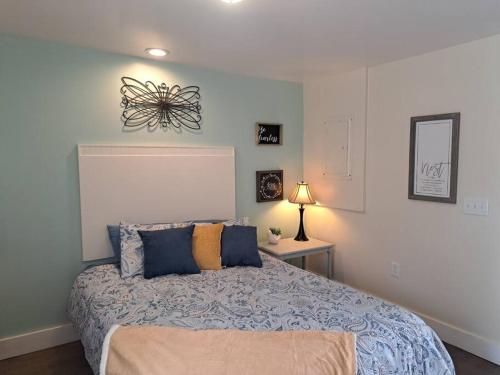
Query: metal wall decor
147	104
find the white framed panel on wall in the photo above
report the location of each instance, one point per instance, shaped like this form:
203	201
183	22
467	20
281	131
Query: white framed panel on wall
337	147
151	184
335	139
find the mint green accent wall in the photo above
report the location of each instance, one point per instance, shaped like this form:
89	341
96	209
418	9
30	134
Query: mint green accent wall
54	96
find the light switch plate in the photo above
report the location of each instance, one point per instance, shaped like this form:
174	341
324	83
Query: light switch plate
476	206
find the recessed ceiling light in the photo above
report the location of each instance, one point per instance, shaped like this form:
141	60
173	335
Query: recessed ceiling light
232	1
157	52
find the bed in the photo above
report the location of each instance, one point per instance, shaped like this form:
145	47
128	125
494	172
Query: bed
279	296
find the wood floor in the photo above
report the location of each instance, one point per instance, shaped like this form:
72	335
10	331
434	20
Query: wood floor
61	360
69	359
466	363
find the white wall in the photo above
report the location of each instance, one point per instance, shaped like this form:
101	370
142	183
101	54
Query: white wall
337	99
449	261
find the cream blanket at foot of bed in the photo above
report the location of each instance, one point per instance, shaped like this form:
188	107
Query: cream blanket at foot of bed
150	350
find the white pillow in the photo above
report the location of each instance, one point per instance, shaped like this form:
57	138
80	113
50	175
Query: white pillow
132	251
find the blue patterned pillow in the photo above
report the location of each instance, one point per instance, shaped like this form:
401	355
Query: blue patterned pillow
245	221
132	252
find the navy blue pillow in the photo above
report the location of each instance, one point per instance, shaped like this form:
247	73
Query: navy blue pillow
239	246
168	251
114	238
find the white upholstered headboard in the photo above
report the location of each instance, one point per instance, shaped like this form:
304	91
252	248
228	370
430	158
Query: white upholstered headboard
151	184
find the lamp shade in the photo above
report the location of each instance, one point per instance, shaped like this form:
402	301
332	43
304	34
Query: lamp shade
301	194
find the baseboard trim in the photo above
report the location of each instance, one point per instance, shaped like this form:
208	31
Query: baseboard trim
468	341
37	340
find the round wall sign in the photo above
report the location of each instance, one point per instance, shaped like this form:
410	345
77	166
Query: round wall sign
269	186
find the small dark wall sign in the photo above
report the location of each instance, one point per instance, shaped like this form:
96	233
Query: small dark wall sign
269	186
433	168
268	134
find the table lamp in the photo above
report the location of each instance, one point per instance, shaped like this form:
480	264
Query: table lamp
301	195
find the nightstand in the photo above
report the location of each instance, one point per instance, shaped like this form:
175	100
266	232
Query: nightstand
288	248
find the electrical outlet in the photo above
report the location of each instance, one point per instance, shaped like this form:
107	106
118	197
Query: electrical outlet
395	269
476	206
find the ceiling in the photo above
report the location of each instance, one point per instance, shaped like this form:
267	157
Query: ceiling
281	39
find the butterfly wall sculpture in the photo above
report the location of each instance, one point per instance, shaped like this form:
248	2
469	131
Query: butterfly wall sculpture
147	104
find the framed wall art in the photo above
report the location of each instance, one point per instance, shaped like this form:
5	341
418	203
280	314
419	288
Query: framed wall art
268	134
269	186
433	168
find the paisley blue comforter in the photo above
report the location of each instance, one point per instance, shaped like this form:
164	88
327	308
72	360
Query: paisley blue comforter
390	340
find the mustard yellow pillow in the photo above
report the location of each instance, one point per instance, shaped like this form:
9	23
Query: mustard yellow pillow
206	246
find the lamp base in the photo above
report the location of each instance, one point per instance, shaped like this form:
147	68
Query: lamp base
301	234
301	237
